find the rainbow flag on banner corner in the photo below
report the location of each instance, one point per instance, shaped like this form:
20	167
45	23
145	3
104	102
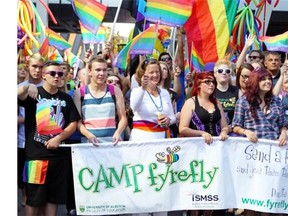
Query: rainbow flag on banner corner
276	43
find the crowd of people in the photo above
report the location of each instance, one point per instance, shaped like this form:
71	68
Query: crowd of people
147	101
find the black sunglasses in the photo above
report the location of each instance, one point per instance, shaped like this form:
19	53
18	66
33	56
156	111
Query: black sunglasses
253	57
165	59
53	73
208	82
222	70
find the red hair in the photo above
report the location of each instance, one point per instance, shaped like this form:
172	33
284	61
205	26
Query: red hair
198	79
252	94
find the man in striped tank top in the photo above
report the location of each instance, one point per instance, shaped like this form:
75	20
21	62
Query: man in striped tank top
98	108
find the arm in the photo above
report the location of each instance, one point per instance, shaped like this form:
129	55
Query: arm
241	58
177	87
121	112
67	132
28	90
223	123
278	86
238	121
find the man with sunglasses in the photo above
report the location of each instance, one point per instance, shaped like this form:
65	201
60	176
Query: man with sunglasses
52	119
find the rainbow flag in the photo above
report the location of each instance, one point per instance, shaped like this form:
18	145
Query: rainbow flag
35	171
168	12
196	60
186	67
44	49
71	58
101	34
56	56
209	28
142	44
57	40
87	36
45	124
276	43
90	12
123	57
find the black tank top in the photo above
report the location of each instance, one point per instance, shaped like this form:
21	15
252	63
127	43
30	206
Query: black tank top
205	121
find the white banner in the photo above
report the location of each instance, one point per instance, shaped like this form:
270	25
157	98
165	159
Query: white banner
180	174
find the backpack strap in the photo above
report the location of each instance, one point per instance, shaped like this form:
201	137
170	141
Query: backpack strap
112	92
82	90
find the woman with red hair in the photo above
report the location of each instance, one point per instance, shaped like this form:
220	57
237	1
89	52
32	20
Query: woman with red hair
262	108
203	115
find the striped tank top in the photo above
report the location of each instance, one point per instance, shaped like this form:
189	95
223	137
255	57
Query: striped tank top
98	114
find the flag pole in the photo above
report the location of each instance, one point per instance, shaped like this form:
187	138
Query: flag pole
115	19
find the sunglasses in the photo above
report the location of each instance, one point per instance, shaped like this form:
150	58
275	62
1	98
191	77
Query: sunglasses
165	59
53	73
222	70
253	57
148	61
208	82
113	81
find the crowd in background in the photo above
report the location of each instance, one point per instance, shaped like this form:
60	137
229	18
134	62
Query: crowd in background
152	99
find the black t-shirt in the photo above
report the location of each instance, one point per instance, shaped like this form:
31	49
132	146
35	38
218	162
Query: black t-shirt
62	111
228	101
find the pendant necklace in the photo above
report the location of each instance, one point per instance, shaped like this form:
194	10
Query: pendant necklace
159	108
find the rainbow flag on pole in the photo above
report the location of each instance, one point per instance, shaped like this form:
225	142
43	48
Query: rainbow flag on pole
44	49
209	29
71	58
57	40
142	44
90	12
276	43
168	12
87	36
56	56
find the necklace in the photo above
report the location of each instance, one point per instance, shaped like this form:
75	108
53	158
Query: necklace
159	108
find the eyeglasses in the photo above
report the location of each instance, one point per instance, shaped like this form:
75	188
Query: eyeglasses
113	81
253	57
245	77
165	59
222	70
209	82
53	73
